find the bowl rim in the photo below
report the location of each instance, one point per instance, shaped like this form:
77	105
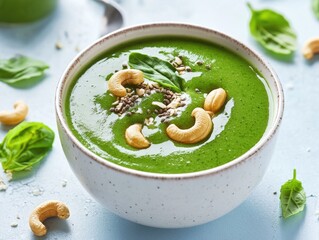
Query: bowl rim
246	156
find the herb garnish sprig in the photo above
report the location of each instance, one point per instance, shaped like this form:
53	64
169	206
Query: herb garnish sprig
25	145
21	71
272	31
157	70
292	197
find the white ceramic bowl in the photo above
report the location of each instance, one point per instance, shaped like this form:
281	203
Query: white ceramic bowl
169	200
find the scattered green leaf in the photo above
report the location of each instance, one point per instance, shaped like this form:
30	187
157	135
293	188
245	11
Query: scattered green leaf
315	8
272	31
109	76
25	145
157	70
21	71
292	197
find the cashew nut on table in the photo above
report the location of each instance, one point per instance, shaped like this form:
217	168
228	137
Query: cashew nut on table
120	78
20	111
46	210
311	48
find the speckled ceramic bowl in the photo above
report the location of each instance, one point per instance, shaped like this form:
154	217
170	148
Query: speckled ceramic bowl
169	200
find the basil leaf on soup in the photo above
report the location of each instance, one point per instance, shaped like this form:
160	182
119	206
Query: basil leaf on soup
21	71
109	76
272	31
292	197
315	8
25	145
157	70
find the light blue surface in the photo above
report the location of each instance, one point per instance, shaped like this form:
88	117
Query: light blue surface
75	24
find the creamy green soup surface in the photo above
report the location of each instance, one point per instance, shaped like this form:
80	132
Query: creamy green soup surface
236	128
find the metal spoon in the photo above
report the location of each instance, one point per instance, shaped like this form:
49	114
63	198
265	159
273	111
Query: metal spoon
113	18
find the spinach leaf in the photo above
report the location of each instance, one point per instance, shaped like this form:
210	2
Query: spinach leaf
21	71
109	76
315	8
156	70
292	197
272	31
25	145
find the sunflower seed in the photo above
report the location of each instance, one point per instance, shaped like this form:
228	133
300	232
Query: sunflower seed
159	104
178	61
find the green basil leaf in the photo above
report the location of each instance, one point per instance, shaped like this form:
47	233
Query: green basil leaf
21	71
156	70
109	76
25	145
315	8
292	197
272	31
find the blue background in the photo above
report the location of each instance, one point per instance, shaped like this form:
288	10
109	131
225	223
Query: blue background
76	23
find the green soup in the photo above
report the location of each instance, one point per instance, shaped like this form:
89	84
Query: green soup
237	127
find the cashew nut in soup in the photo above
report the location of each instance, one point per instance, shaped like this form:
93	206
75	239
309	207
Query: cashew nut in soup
215	100
135	138
119	79
199	131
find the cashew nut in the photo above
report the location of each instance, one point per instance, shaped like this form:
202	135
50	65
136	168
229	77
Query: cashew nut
201	129
16	116
46	210
135	138
120	78
215	100
311	48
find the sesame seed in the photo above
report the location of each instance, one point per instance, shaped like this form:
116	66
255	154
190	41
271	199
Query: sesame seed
166	120
166	101
180	69
199	63
159	104
115	103
178	61
58	45
14	224
140	92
